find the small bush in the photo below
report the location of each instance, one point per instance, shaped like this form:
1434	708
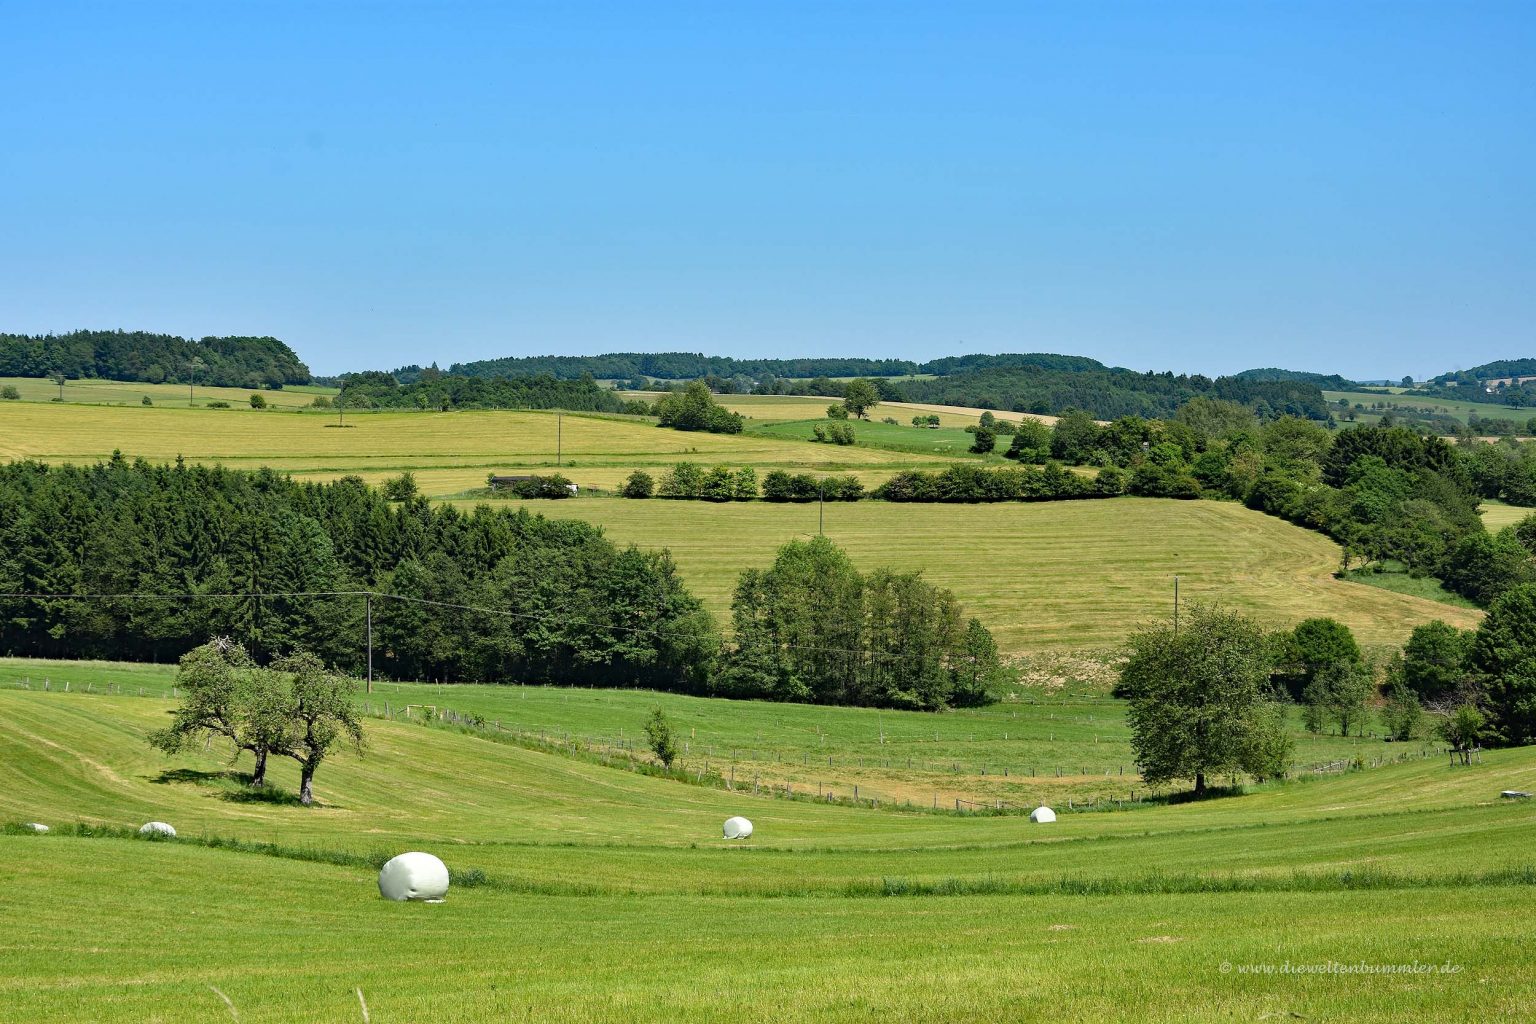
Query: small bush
639	485
258	402
401	488
216	405
320	402
146	400
834	433
10	394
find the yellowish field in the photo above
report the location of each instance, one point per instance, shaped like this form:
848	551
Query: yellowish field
1497	515
778	408
959	415
1057	575
117	392
450	452
1054	575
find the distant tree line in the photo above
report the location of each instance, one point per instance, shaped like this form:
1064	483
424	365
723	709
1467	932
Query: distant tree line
1103	392
239	362
677	366
1326	381
375	390
486	595
570	605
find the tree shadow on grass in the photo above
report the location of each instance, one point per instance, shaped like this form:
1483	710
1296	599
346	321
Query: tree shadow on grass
234	787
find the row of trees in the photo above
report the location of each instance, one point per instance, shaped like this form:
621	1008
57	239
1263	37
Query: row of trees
240	362
1389	494
437	391
1209	697
566	603
1101	391
689	481
814	628
490	594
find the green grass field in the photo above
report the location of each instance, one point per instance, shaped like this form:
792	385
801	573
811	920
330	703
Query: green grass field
1444	406
1051	741
608	894
951	442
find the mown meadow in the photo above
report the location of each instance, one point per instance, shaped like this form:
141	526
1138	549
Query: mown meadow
1058	575
589	890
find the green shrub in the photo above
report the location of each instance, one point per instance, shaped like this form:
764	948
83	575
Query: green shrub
639	485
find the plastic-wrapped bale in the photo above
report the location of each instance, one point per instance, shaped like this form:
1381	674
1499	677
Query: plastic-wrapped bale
37	826
160	828
737	828
414	876
1042	814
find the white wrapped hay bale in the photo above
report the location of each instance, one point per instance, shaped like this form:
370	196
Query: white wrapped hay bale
1042	814
37	826
157	828
414	876
737	828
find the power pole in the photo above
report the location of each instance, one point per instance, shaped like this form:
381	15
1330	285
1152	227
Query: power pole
369	599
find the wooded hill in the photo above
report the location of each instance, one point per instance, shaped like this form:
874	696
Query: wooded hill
240	362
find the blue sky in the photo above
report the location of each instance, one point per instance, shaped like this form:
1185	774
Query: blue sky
1201	187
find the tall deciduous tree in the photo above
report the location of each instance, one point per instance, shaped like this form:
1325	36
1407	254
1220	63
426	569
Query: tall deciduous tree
320	713
1504	652
224	693
860	396
1198	697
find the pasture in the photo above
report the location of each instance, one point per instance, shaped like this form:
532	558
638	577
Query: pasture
1445	406
122	392
949	442
609	894
1062	575
778	408
1057	575
450	452
1060	741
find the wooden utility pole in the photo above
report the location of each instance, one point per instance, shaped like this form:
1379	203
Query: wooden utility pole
369	599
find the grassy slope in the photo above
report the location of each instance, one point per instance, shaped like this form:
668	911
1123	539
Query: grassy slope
611	894
1011	752
1065	574
1446	406
1049	575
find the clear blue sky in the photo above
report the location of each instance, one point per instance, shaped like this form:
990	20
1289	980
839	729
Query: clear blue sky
1206	187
